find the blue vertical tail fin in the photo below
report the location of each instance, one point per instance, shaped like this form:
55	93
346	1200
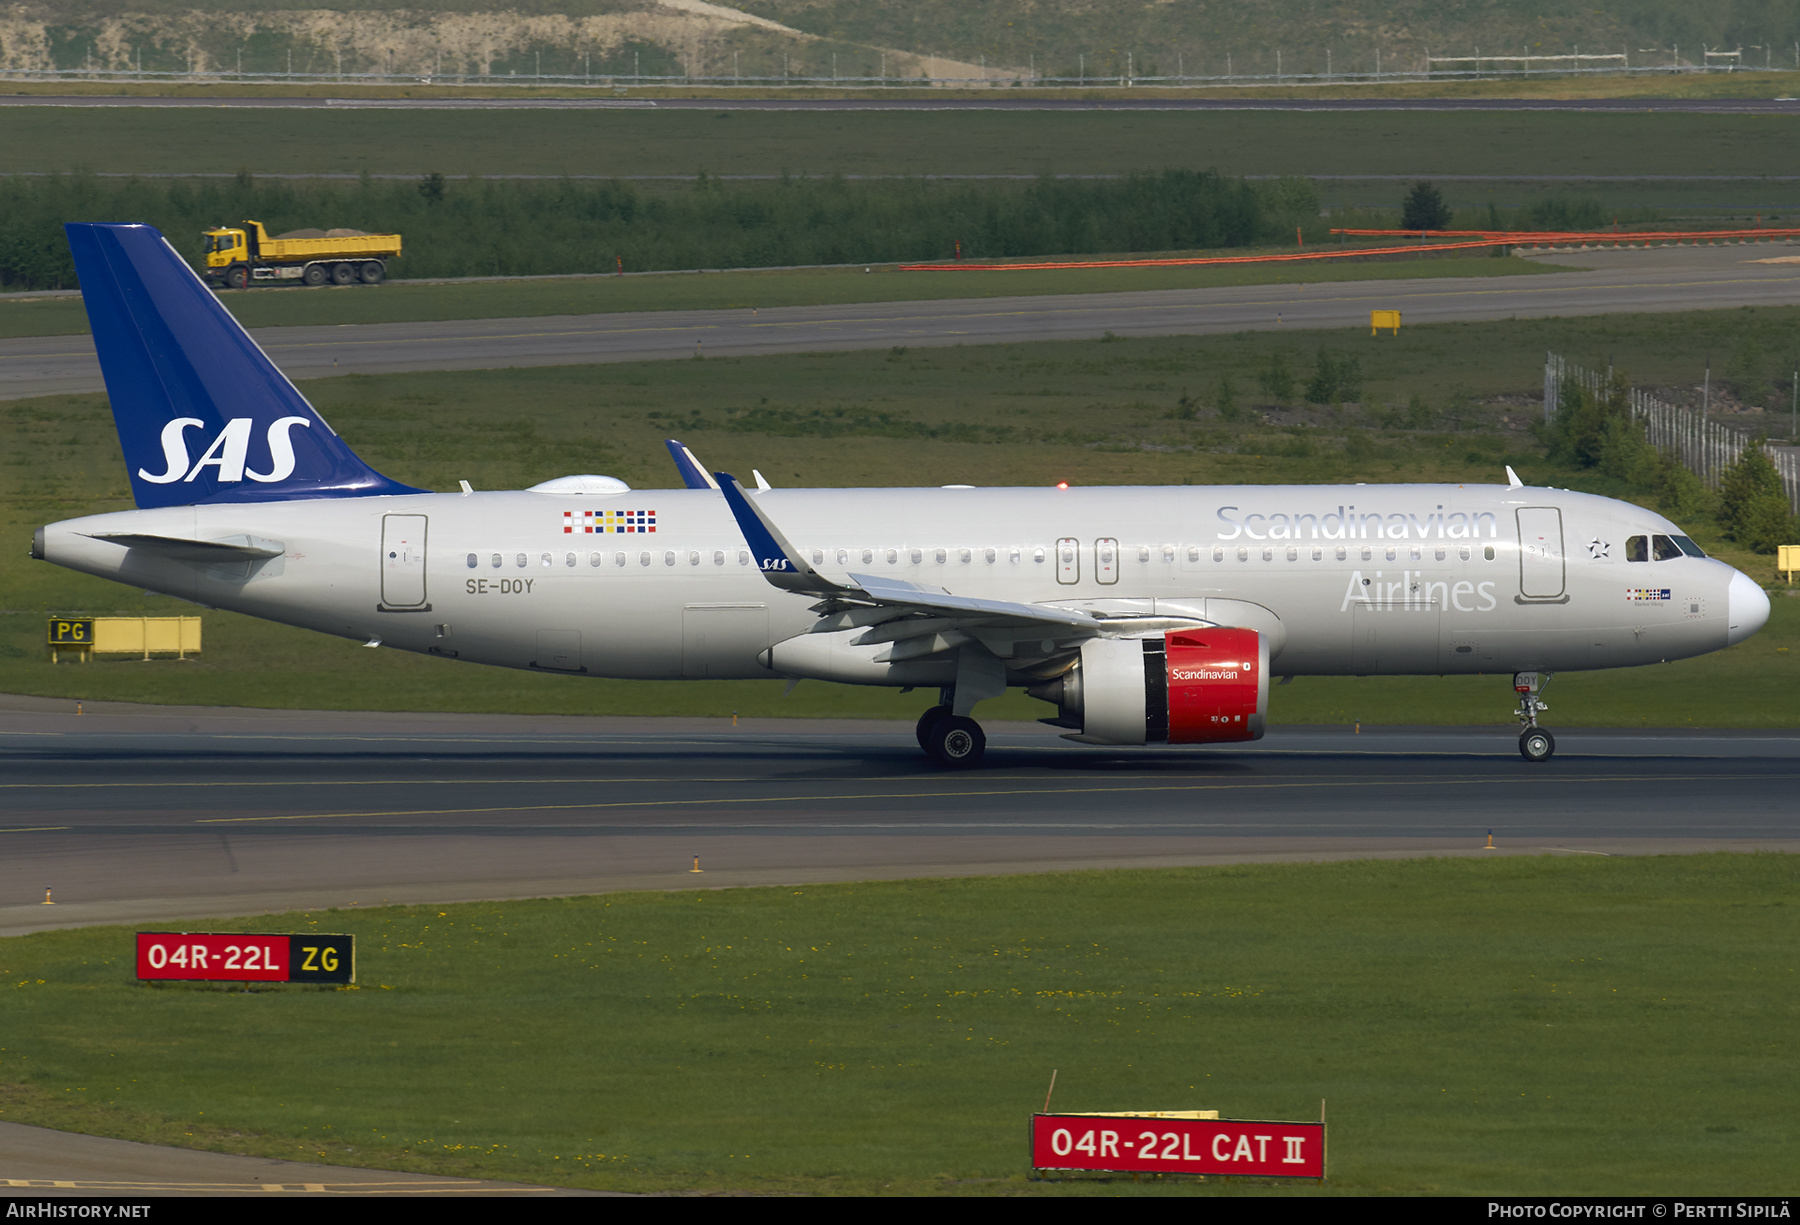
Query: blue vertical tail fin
203	414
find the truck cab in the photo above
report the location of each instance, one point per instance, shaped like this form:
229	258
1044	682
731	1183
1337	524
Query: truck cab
230	257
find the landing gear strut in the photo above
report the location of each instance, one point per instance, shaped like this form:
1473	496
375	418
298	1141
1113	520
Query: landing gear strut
1535	744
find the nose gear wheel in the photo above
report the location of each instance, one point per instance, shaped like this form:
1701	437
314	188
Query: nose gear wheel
1535	744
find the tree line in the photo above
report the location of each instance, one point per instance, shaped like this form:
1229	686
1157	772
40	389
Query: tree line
1597	431
494	227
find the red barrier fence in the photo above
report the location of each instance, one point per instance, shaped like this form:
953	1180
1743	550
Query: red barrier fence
1539	238
1468	240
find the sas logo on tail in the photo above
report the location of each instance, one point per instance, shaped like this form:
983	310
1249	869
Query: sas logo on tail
228	452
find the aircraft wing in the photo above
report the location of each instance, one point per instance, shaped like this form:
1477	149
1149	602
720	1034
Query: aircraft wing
899	593
902	612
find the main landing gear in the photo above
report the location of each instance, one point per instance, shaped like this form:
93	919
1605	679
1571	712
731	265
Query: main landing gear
953	741
1535	744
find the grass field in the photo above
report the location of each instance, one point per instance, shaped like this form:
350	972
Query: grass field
398	301
1498	1026
1098	412
651	142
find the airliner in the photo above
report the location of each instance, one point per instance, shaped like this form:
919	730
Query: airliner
1142	615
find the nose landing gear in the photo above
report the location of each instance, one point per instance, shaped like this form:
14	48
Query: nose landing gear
1535	744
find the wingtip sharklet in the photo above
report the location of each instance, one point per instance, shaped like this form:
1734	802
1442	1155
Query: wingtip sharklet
779	561
693	475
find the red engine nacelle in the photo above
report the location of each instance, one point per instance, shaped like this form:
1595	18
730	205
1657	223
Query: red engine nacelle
1201	686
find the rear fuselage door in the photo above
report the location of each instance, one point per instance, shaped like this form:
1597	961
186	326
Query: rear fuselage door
402	561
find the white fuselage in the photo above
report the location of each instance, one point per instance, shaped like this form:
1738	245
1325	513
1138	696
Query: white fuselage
1360	579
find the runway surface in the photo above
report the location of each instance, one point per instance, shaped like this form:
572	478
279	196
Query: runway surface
1663	279
150	814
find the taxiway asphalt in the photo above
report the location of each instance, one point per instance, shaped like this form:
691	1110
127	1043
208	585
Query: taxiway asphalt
1663	279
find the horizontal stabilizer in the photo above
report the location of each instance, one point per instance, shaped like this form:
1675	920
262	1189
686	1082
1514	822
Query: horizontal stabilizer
203	414
235	548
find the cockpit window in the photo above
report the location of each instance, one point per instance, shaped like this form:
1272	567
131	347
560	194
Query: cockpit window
1687	546
1664	548
1637	549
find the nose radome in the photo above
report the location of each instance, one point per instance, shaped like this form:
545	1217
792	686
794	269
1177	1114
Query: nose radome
1746	608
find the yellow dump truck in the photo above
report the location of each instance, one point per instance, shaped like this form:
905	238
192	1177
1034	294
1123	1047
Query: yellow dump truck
240	258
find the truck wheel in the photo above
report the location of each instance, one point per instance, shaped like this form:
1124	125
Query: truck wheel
315	275
238	277
342	274
373	273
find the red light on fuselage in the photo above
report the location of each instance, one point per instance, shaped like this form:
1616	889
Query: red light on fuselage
1062	484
